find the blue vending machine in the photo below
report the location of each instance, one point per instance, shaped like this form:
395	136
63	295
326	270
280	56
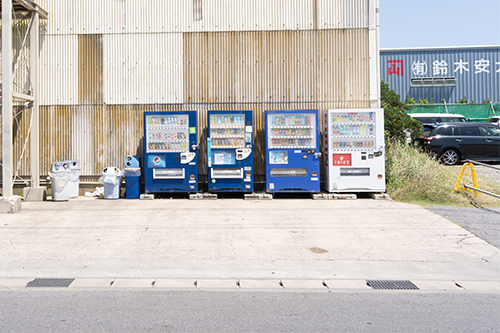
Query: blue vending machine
230	151
170	156
292	151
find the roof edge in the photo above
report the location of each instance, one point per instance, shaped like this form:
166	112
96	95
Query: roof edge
441	48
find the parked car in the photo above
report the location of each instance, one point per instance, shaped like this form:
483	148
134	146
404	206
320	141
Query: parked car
454	142
494	120
437	118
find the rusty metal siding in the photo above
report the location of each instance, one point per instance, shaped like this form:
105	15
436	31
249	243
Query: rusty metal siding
90	69
284	66
102	136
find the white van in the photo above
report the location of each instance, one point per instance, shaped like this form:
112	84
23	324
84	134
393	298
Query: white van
435	118
494	120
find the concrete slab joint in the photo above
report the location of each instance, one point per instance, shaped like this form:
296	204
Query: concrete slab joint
10	205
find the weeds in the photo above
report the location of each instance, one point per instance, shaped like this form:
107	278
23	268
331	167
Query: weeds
413	176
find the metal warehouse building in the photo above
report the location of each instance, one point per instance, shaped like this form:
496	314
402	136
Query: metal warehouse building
448	74
103	63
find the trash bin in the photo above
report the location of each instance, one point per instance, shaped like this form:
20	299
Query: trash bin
112	180
132	172
60	176
74	179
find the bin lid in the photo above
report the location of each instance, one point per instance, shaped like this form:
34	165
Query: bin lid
132	169
112	171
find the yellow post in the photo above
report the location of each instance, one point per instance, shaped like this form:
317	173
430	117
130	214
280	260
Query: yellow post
462	173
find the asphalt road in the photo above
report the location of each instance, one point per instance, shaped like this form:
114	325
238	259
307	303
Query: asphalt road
483	222
143	311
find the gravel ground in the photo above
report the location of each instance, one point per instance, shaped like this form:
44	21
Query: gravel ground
483	222
491	173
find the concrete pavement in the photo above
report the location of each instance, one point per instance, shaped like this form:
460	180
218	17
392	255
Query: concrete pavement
346	241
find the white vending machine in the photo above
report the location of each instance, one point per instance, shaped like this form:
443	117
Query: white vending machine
354	154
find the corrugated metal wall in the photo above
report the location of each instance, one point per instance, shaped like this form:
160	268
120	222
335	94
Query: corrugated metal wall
477	71
104	63
103	135
160	16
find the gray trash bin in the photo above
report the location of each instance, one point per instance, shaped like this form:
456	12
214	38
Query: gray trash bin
112	179
59	178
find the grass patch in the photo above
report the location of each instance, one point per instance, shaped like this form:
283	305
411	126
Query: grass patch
414	177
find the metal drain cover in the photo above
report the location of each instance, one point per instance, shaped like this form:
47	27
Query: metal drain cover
50	283
391	284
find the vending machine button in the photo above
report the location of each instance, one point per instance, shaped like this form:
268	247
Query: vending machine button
304	156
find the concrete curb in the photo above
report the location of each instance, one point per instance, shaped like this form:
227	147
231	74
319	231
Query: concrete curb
268	285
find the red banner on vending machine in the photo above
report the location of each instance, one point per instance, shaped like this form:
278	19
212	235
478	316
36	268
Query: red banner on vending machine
341	159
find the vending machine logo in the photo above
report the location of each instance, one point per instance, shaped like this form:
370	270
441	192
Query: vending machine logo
157	161
341	159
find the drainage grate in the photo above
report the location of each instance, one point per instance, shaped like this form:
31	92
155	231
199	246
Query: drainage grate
391	284
50	283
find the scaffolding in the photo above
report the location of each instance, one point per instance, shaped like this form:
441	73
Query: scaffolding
20	81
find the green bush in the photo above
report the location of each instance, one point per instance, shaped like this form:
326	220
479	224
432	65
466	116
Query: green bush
396	122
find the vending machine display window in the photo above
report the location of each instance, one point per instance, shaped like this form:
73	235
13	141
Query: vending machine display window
167	133
227	131
291	131
353	131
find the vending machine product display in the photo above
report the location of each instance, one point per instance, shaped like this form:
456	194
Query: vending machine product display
354	155
170	144
292	151
230	151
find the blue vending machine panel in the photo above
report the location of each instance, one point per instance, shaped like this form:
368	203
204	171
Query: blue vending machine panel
292	151
170	156
230	151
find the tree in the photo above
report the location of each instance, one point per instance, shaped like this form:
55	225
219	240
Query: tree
397	122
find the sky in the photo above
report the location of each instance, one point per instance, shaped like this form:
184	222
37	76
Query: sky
438	23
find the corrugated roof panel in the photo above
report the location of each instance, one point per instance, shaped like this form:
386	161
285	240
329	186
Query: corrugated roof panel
477	72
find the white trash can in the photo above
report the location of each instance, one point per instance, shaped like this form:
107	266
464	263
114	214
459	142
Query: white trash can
59	182
74	180
112	179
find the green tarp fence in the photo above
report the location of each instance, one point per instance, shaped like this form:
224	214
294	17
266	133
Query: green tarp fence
473	112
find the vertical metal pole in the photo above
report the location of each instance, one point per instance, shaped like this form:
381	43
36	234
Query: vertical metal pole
374	53
7	149
35	123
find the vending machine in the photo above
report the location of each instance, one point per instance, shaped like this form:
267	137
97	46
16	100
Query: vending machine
354	155
230	151
292	151
170	152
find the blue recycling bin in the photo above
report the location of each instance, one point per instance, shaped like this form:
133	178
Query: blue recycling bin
132	173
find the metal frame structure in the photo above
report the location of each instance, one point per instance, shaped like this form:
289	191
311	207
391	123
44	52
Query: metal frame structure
22	9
